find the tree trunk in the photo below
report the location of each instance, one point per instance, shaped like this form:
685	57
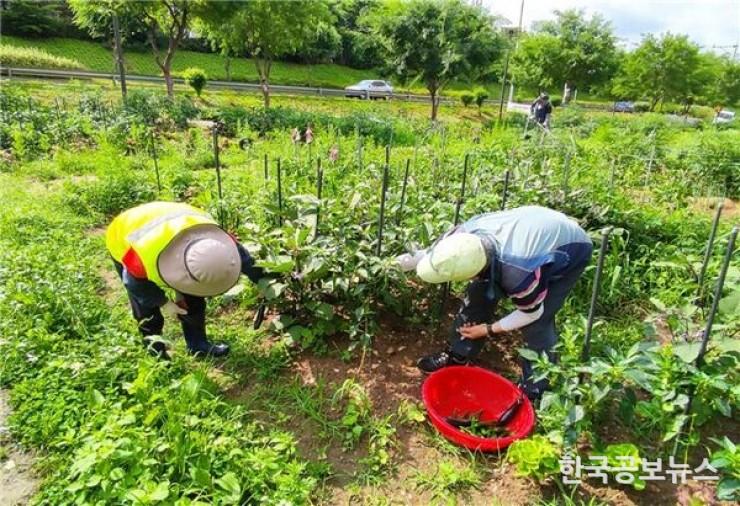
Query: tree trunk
263	69
167	73
435	103
118	49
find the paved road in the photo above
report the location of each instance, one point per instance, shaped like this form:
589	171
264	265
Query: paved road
275	88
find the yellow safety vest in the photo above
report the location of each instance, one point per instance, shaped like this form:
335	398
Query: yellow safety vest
136	237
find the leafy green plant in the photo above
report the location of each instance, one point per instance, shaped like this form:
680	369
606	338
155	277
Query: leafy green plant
536	457
447	479
195	78
727	461
467	99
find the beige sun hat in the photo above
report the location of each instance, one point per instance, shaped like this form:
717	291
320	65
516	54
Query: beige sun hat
201	260
458	257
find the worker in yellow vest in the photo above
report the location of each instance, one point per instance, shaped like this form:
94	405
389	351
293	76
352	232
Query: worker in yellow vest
168	245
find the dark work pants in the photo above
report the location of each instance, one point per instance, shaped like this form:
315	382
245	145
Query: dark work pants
541	335
151	321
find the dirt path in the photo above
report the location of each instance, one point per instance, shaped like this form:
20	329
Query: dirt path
18	482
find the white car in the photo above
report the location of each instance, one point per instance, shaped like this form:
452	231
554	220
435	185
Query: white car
724	117
369	89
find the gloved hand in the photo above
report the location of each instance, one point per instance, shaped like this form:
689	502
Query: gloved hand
172	309
408	261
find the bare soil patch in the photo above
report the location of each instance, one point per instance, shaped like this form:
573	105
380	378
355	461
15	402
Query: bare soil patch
18	482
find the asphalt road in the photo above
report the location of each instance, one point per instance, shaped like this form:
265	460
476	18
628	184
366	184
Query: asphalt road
13	72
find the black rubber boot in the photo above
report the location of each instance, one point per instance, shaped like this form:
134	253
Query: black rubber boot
210	350
435	362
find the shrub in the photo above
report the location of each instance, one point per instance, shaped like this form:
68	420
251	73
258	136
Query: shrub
195	78
12	56
556	102
481	96
467	99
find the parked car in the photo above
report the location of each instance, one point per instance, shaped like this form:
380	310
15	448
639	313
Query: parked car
369	89
624	106
724	117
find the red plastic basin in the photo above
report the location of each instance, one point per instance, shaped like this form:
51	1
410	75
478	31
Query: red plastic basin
457	390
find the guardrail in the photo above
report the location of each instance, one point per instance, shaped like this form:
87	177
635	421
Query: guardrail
11	72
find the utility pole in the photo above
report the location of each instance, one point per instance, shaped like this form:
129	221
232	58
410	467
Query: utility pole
118	49
516	46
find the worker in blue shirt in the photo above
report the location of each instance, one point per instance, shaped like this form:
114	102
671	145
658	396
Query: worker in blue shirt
532	255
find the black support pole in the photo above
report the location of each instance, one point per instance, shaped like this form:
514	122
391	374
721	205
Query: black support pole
319	188
506	189
586	353
280	193
403	191
708	251
717	296
267	174
153	148
217	161
384	188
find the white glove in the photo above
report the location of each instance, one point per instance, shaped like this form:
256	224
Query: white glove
172	309
409	261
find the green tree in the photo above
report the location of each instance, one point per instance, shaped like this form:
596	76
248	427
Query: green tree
29	18
662	69
723	80
168	21
261	29
437	41
360	48
467	99
570	50
534	62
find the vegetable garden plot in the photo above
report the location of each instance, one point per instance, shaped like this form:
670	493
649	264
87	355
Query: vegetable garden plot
337	283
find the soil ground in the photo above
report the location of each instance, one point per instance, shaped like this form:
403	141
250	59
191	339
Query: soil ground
17	479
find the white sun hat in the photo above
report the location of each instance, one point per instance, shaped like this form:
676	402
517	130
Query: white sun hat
458	257
202	261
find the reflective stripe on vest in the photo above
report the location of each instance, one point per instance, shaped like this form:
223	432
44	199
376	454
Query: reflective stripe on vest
148	229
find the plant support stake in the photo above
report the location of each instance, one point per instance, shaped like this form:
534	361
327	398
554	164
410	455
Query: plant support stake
384	188
403	191
710	322
708	251
595	293
280	193
717	296
506	189
217	161
267	174
319	187
153	148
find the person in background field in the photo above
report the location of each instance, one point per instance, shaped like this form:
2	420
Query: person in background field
533	255
167	245
541	110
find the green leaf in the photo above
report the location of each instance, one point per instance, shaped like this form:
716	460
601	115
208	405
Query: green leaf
270	288
528	354
687	351
658	304
728	489
575	415
161	492
730	305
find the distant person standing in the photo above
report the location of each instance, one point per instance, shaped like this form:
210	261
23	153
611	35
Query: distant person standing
541	110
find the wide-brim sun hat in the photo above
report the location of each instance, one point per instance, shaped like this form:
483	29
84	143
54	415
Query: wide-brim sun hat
203	261
458	257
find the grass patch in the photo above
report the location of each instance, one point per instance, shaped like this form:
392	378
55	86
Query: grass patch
97	57
16	56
